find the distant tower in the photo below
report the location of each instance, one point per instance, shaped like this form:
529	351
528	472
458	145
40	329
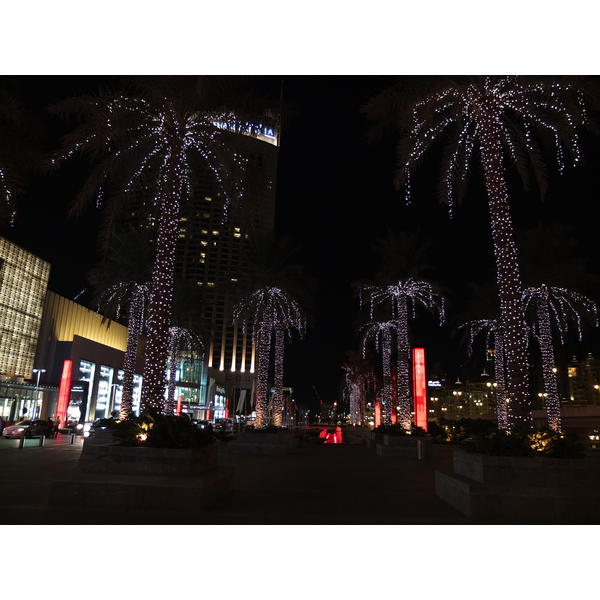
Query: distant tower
212	242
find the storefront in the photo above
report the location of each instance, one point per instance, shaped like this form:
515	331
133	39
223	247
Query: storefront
25	401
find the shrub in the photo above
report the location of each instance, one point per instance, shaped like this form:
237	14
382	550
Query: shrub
266	429
161	431
544	443
397	429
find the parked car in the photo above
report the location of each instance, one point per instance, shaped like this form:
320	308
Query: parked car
100	424
29	428
204	425
223	426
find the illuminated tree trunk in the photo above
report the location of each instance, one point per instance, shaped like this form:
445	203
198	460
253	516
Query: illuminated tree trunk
170	403
264	350
278	403
159	310
403	366
387	376
552	400
512	319
134	329
353	392
499	375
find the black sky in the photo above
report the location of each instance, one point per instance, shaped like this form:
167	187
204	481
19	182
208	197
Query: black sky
335	199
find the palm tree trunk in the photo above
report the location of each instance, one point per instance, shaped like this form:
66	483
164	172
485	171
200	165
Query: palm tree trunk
159	311
387	377
134	327
499	376
170	404
403	366
512	320
552	400
278	403
264	350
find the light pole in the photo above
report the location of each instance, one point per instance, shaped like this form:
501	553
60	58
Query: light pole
37	387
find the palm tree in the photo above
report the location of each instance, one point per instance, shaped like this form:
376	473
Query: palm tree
272	295
550	303
156	139
494	115
121	283
550	264
359	373
493	329
381	333
182	341
269	309
19	152
404	296
398	284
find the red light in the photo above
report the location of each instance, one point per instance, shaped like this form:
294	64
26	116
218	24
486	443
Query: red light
64	390
420	388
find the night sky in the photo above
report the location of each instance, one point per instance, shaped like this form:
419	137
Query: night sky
335	199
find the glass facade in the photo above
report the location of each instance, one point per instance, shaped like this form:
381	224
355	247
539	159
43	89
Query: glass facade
23	285
19	401
117	392
190	390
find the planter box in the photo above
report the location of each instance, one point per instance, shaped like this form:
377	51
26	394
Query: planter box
515	489
144	478
149	492
405	446
97	458
261	443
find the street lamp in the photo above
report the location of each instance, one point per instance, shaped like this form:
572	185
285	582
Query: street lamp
37	385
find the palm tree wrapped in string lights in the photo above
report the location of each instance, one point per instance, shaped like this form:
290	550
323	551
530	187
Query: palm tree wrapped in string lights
404	297
381	333
153	140
359	374
554	304
271	311
493	330
486	117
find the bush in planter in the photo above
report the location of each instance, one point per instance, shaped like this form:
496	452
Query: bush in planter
161	431
267	429
438	433
397	429
544	443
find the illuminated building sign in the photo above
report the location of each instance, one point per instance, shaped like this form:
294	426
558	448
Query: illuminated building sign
266	133
419	388
435	384
64	391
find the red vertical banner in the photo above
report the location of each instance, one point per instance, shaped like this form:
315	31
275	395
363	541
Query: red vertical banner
179	403
377	413
64	391
420	388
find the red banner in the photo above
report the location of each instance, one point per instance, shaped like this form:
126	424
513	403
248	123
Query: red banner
64	391
420	387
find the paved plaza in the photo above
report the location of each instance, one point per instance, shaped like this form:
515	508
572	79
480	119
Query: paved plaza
315	484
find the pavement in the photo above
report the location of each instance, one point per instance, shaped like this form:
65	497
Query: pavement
315	484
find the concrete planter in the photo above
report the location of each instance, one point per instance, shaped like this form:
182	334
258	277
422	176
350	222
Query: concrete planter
144	478
147	461
405	446
516	489
261	443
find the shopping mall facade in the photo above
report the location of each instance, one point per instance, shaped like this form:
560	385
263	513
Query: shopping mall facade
55	352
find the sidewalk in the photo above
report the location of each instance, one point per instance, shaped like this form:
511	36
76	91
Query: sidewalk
316	484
